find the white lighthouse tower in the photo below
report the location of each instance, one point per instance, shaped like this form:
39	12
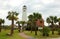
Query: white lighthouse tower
24	13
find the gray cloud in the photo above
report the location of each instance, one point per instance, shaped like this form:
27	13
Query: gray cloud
45	7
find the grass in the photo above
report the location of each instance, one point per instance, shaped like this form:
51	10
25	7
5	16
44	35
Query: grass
15	35
39	36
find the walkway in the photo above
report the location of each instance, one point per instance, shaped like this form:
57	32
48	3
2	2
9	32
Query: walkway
25	36
29	37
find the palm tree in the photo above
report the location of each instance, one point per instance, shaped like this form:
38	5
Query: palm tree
22	22
1	22
30	17
29	25
33	18
53	20
48	20
59	22
37	16
19	27
12	16
58	26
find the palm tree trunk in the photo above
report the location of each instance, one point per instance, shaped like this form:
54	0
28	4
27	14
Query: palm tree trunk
0	27
19	27
43	31
52	31
22	27
59	28
12	27
31	27
59	24
52	28
35	30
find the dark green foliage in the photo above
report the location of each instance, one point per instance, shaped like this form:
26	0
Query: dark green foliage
1	22
13	17
29	28
32	21
58	31
23	24
45	31
52	20
19	26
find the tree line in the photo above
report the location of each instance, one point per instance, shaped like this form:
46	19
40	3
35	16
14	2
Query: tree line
32	18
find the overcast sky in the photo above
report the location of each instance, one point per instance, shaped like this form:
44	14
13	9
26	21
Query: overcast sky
45	7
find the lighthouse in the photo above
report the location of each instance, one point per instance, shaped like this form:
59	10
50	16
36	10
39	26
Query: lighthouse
24	13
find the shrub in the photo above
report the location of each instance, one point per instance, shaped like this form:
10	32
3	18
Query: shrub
29	28
58	31
45	31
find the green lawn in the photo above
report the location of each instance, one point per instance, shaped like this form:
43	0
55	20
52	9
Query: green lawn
15	35
39	36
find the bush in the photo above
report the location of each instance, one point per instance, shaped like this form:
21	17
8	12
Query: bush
58	31
45	31
29	28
